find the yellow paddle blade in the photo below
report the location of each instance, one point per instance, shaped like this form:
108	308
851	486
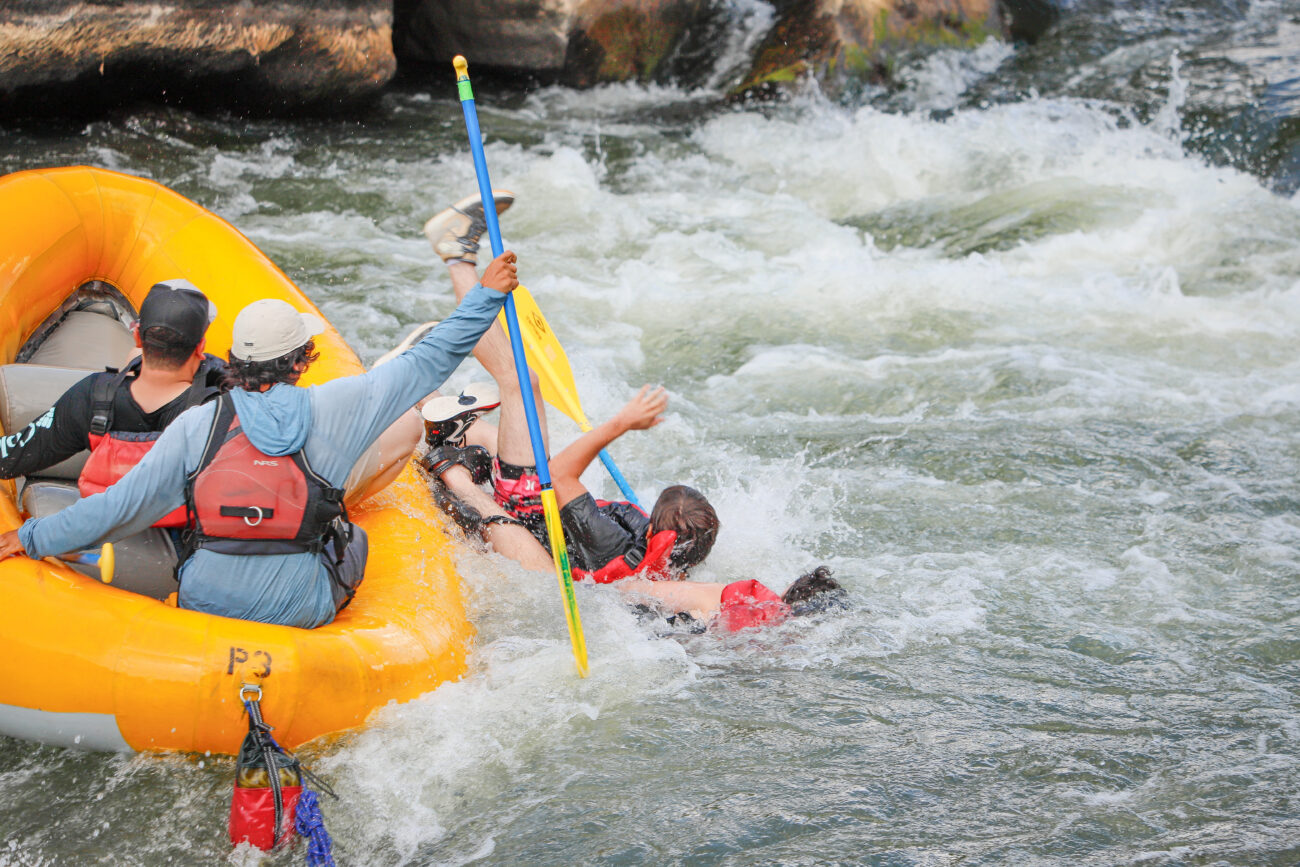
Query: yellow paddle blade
546	356
563	571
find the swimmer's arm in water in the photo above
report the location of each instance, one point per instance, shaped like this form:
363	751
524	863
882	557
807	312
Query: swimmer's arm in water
700	600
641	412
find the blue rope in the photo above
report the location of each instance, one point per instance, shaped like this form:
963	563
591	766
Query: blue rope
311	825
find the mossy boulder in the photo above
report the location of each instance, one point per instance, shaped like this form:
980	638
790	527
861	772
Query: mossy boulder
844	40
576	42
613	40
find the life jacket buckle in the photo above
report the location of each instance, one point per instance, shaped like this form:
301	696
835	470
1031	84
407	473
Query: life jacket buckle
257	509
253	689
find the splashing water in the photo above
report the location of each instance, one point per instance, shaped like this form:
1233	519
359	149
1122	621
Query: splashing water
1167	120
1023	375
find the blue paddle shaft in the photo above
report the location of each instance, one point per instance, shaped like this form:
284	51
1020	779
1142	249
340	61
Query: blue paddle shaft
618	478
512	318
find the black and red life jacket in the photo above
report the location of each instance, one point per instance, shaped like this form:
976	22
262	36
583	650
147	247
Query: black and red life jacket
649	561
113	453
244	501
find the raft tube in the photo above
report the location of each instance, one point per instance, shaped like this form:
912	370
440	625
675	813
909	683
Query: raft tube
94	666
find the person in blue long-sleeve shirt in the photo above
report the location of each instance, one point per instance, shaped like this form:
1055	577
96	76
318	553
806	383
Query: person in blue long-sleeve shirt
330	425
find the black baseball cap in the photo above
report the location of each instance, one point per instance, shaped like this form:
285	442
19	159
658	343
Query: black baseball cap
179	306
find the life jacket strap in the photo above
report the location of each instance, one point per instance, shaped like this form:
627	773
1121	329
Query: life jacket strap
252	515
103	394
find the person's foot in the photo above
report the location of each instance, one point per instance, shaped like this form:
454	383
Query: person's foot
417	334
447	418
455	232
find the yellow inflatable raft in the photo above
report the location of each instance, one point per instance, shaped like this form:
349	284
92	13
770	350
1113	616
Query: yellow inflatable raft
100	667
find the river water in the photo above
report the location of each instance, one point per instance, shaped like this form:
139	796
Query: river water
1011	346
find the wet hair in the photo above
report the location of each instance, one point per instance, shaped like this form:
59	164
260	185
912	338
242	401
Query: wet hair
686	512
252	375
814	591
164	347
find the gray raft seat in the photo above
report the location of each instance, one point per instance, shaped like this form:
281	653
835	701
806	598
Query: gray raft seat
145	561
85	339
26	392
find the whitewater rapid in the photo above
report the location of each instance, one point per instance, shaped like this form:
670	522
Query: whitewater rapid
1023	374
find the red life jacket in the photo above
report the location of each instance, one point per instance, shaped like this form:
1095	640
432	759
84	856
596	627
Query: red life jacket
114	453
112	456
244	501
749	603
653	562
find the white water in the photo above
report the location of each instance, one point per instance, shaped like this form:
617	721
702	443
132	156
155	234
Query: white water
1025	377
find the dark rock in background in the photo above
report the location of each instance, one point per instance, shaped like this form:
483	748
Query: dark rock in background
312	55
326	56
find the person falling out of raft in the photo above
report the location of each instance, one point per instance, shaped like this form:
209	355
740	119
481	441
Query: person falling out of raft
262	467
607	541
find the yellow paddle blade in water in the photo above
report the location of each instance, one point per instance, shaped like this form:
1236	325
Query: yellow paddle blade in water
560	552
546	356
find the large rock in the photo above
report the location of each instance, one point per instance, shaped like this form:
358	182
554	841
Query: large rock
261	56
292	55
1029	19
529	36
839	40
576	42
630	40
585	42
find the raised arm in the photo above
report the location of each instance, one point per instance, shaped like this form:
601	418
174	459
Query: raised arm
366	404
641	412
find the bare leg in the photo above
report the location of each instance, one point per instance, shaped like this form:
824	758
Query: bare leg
509	440
511	540
381	463
482	433
512	442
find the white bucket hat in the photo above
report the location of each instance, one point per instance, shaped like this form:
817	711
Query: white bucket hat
270	328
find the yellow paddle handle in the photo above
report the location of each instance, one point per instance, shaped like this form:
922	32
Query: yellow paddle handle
107	563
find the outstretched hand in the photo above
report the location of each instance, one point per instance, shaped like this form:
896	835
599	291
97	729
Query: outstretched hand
645	410
9	545
501	273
